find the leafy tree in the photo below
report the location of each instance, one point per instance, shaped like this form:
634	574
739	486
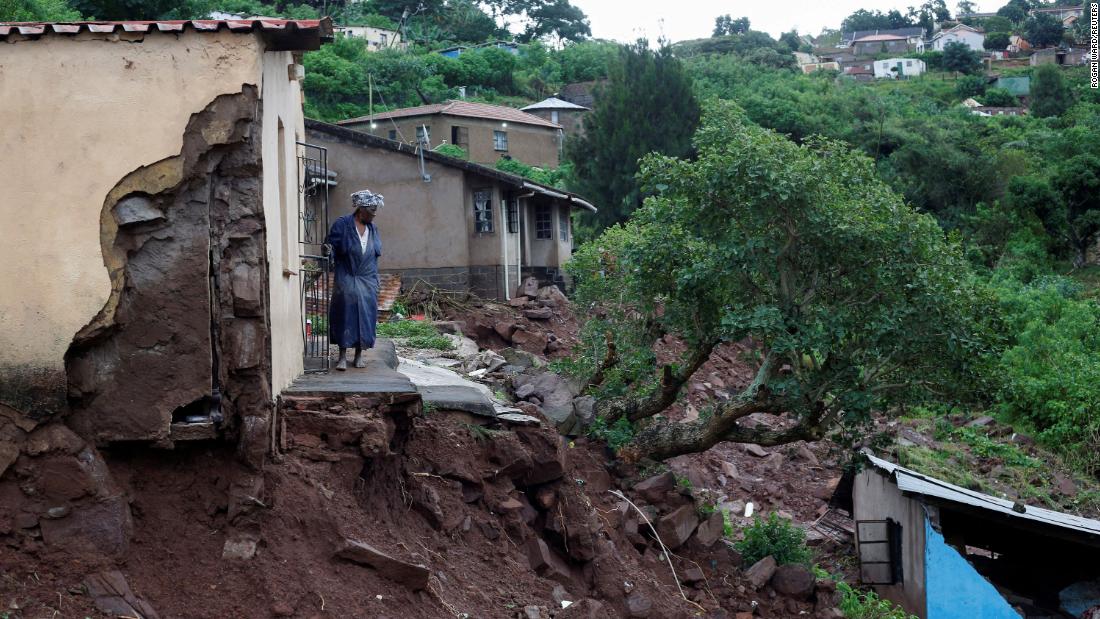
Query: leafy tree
965	7
791	40
463	21
556	18
960	58
1050	95
37	10
1015	11
994	24
996	41
586	61
141	9
1043	30
999	97
853	301
726	25
970	86
648	89
1077	215
874	20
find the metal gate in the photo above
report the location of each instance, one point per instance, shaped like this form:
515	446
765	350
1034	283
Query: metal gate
315	271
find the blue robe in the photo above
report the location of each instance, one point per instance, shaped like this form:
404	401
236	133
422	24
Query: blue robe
353	312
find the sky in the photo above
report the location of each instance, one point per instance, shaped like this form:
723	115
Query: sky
626	20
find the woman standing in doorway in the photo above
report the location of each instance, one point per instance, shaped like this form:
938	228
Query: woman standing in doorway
355	248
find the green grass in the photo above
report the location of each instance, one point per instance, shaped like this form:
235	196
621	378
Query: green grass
416	334
856	604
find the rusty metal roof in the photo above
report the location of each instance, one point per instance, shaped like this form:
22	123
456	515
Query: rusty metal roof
467	109
286	33
912	482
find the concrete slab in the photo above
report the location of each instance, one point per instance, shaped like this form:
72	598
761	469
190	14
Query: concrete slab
448	390
378	377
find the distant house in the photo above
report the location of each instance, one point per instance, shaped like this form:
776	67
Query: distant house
376	38
452	224
1060	55
942	551
569	115
1017	43
967	35
898	68
873	44
912	35
858	69
819	66
455	52
804	58
487	132
1061	13
835	54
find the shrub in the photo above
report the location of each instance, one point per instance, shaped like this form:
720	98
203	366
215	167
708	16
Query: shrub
999	97
857	604
777	537
451	150
406	328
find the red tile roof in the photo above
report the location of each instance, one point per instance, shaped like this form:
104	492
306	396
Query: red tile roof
460	108
303	31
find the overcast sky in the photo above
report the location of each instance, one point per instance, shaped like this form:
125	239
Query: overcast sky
626	20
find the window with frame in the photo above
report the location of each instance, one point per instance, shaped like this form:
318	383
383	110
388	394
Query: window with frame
483	210
563	224
393	134
500	140
544	224
460	136
513	215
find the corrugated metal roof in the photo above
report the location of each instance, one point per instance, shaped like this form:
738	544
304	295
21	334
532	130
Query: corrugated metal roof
460	108
553	103
311	31
915	483
374	141
879	37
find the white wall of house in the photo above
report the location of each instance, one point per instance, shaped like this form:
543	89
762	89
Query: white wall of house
905	67
376	38
973	40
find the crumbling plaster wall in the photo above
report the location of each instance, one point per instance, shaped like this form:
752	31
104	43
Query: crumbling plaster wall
107	106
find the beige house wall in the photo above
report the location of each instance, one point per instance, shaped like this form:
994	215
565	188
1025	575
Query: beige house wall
422	225
531	144
876	497
283	127
104	108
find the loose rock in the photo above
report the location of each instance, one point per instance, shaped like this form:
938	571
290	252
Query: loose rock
761	571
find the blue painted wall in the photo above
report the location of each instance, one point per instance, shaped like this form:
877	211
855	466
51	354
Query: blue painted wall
953	588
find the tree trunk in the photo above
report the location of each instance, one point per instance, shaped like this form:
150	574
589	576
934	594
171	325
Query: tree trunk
636	408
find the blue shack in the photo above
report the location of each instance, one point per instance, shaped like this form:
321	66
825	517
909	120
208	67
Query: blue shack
947	552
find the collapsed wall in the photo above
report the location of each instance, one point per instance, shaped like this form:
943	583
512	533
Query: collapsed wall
184	336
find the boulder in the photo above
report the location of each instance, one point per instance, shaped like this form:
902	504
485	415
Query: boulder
552	296
555	395
654	488
410	575
521	358
463	346
585	409
677	526
530	341
519	301
755	450
761	571
545	562
529	288
796	581
710	530
525	391
505	329
638	605
541	313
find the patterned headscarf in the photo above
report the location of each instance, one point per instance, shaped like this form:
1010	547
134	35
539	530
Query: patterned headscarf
366	199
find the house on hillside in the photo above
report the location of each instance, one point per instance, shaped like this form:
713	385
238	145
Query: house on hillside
487	132
862	70
898	68
974	38
1066	56
913	36
873	44
1016	86
164	303
569	115
376	38
819	66
454	52
942	551
835	54
1063	14
1017	43
452	224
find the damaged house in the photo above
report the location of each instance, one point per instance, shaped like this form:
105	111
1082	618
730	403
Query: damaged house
151	252
943	551
455	225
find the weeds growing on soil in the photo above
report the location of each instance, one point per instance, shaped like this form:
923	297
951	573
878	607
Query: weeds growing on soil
774	536
856	604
